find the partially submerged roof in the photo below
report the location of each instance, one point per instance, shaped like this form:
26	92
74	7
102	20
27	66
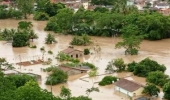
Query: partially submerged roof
69	50
66	68
142	98
128	85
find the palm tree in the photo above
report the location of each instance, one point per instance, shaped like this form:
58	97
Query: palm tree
32	35
50	39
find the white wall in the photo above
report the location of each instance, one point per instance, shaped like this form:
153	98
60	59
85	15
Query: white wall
124	91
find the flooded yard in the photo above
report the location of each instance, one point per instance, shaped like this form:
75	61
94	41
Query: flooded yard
156	50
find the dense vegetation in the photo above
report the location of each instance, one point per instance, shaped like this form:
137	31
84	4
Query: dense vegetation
81	40
158	78
116	65
144	67
9	13
151	89
48	8
57	76
149	25
107	80
17	87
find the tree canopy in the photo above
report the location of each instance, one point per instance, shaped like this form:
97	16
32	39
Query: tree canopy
151	89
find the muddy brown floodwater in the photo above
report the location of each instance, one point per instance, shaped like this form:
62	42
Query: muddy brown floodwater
156	50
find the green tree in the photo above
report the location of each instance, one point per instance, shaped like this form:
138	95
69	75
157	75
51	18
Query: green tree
103	2
25	25
65	93
108	80
20	39
101	9
21	79
158	78
31	91
32	35
119	64
166	90
26	6
50	39
57	76
151	89
81	40
131	66
147	65
5	64
64	20
130	41
116	65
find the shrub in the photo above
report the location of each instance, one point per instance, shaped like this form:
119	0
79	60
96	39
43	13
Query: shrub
50	52
71	64
41	16
42	48
158	78
20	40
147	65
131	66
119	64
81	40
89	65
107	80
57	76
33	46
86	51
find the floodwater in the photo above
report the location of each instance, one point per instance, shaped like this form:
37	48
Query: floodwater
156	50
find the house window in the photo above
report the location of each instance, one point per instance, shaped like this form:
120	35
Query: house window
71	55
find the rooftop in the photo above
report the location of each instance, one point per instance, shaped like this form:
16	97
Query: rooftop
128	85
69	50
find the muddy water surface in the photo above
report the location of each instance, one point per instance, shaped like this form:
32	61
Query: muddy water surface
156	50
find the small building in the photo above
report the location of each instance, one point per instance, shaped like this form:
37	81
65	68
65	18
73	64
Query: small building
128	87
73	70
73	52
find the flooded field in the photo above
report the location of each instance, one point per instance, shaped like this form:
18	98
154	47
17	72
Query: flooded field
156	50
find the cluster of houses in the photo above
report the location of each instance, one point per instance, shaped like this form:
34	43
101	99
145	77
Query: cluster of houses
161	6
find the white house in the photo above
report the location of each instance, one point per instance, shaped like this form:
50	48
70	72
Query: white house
162	5
128	87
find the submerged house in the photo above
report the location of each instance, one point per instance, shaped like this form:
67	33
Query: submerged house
73	70
73	52
128	87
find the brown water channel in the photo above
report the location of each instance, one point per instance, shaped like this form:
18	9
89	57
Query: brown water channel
156	50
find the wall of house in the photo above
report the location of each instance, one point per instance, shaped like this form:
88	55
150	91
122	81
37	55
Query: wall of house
138	92
74	53
86	5
131	94
123	91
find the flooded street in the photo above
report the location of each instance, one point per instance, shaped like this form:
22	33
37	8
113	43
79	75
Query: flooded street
156	50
